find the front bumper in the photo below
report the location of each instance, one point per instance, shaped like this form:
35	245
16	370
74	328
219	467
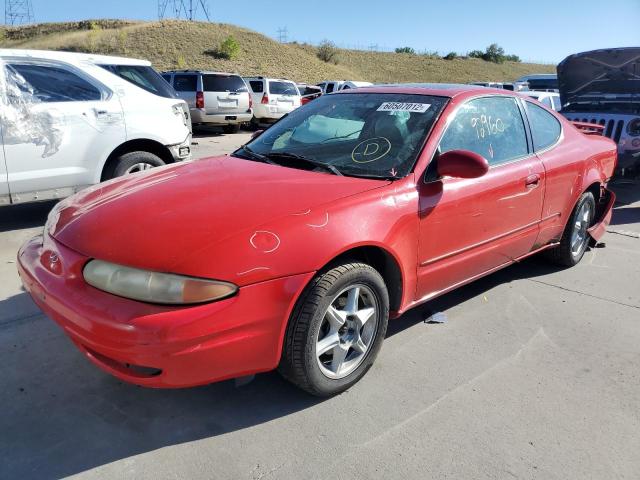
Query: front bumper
154	345
181	151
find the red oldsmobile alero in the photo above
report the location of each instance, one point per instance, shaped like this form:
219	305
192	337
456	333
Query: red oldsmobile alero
294	251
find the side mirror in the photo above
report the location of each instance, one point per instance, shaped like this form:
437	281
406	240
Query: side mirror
256	134
462	164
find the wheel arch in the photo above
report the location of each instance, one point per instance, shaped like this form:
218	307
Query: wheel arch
383	261
136	145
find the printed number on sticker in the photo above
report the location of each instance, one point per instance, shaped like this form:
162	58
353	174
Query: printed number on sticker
403	107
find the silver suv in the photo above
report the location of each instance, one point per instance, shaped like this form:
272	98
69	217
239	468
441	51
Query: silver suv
214	98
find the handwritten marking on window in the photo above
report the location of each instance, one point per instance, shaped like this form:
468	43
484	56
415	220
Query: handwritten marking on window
485	126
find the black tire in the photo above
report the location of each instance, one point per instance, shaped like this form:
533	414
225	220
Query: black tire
565	254
231	128
299	363
125	162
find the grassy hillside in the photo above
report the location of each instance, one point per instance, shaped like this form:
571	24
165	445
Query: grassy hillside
181	44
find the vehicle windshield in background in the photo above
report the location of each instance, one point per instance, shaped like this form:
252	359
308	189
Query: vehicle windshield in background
358	134
282	88
144	77
223	83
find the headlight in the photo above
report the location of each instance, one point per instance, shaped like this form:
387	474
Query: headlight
633	127
154	287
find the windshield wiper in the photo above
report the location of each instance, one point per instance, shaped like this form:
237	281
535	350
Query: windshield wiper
255	155
303	159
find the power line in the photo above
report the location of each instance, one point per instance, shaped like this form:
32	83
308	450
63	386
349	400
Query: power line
283	34
187	9
18	12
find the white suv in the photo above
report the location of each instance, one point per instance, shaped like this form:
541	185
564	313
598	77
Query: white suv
272	98
69	120
214	98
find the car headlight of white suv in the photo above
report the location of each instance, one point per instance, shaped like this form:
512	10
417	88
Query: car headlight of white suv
154	287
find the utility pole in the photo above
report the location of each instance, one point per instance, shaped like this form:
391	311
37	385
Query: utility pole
178	8
282	34
18	12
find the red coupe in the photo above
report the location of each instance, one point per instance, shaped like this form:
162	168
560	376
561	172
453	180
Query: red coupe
293	252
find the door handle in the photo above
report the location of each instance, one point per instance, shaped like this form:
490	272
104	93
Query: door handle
532	181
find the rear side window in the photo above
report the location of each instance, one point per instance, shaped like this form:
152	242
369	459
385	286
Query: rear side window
329	88
282	88
223	83
257	86
55	84
546	101
545	128
492	127
557	106
185	83
144	77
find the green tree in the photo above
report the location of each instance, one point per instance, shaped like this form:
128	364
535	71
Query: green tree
229	49
408	50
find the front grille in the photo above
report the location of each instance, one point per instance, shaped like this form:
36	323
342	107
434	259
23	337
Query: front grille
612	128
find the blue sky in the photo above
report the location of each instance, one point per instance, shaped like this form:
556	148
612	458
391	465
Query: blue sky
546	32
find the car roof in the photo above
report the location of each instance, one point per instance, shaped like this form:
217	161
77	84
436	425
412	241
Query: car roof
71	57
198	72
437	89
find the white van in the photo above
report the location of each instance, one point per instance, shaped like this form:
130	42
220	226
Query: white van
330	86
272	98
69	120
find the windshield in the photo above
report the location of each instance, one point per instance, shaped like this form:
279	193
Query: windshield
144	77
359	134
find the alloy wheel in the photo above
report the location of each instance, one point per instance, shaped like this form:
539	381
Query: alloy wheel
347	331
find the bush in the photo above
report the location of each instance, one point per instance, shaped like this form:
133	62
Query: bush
451	56
327	52
408	50
494	53
229	49
431	54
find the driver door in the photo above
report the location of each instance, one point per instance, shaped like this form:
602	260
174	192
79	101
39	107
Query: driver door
469	227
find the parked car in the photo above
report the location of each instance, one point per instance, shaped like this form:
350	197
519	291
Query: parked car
308	92
214	98
330	86
548	99
293	252
515	86
272	98
603	87
546	82
70	120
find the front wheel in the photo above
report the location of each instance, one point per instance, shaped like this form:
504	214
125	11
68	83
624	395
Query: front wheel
575	237
336	329
134	162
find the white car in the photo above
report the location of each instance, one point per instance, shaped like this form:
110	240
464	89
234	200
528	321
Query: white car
550	100
70	120
337	85
272	98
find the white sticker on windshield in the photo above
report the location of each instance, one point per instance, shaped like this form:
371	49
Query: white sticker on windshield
403	107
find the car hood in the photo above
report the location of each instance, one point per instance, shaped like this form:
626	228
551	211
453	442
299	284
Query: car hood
175	218
600	75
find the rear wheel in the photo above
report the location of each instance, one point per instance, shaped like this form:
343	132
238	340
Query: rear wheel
231	128
134	162
575	237
336	329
